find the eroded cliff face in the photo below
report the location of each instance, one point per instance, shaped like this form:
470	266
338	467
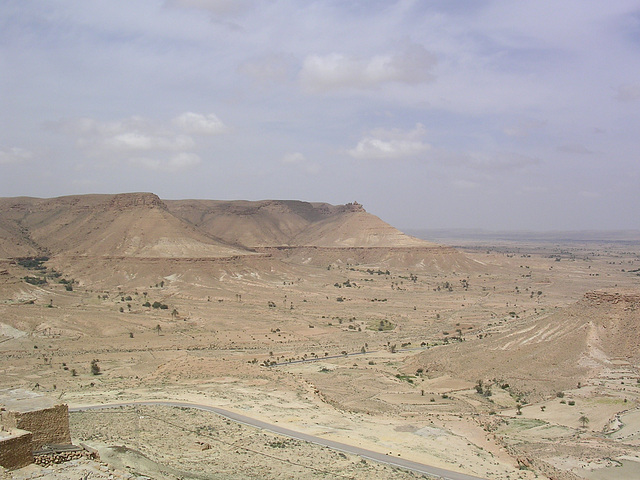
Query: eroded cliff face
122	201
630	300
122	225
141	225
292	223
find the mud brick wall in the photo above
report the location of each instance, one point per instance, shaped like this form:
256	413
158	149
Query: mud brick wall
50	426
15	450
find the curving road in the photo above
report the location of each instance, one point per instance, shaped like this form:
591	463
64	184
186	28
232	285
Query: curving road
343	447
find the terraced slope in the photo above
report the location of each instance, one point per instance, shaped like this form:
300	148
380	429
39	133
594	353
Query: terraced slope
576	344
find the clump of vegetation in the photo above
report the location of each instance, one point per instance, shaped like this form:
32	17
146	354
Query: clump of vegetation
95	368
377	272
483	389
406	378
380	325
33	263
68	284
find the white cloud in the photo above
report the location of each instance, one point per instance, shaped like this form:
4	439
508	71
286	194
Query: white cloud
14	155
133	134
391	144
199	124
140	141
321	73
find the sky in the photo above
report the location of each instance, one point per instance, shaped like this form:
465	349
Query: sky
489	114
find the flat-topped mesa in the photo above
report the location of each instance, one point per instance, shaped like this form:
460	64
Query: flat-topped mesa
121	201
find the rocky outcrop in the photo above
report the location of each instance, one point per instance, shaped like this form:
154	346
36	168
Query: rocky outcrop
601	297
132	200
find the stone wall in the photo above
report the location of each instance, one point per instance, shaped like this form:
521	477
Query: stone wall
49	426
15	449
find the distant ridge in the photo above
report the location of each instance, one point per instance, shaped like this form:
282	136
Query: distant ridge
130	226
122	225
479	235
276	223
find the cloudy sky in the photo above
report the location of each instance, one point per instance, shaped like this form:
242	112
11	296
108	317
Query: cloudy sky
488	114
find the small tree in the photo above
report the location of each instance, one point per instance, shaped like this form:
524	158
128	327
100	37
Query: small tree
479	387
584	421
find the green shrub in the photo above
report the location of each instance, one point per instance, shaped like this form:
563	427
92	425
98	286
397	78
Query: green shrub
35	280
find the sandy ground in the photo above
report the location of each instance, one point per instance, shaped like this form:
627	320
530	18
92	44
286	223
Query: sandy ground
212	350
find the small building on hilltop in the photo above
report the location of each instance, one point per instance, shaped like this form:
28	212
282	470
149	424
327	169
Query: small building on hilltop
29	422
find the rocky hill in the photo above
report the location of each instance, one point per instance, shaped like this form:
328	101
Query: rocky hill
276	223
552	352
124	225
142	226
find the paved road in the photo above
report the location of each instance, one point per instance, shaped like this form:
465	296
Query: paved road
343	447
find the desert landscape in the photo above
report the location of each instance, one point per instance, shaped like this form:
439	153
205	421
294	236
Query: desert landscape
496	358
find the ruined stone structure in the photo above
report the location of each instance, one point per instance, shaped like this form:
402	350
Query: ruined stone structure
28	422
15	448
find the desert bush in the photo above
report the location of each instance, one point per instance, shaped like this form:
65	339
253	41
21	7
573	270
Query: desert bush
95	368
35	280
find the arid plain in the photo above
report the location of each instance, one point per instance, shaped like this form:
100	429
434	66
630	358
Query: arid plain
501	359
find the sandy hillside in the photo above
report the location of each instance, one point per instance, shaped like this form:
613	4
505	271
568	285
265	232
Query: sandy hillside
130	225
550	351
292	223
